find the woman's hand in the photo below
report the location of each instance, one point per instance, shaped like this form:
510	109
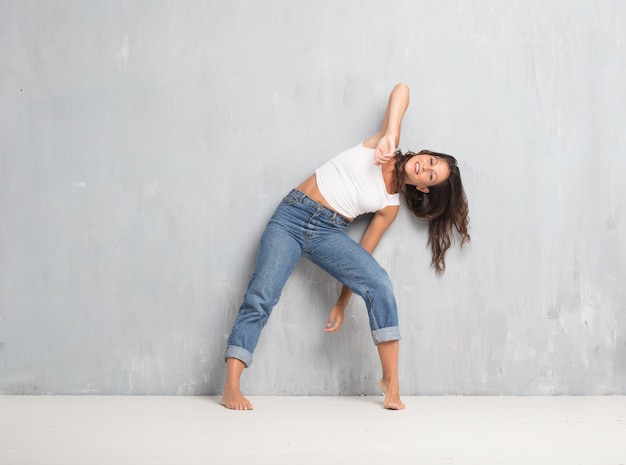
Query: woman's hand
336	318
385	149
387	139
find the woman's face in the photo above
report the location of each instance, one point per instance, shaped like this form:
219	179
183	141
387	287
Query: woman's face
424	171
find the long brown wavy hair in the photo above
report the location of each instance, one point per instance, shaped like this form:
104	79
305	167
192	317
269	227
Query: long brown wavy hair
444	206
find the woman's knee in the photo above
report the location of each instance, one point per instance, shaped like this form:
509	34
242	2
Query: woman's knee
382	285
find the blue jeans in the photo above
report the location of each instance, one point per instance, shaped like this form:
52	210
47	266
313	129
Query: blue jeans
302	227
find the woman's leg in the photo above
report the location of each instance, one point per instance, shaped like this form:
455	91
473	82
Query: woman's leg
352	265
349	263
389	383
276	259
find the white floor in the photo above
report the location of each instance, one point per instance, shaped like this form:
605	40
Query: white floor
54	430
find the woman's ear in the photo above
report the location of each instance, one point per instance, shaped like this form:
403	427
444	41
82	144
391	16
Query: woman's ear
425	190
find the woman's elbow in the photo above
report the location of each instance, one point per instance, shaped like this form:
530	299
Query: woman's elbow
401	87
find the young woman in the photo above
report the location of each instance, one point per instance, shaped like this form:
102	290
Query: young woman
312	221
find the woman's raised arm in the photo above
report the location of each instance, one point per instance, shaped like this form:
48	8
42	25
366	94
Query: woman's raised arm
387	139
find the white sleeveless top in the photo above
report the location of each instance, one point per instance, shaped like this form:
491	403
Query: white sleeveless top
353	184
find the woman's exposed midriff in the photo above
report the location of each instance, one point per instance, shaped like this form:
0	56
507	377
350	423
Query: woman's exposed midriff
310	189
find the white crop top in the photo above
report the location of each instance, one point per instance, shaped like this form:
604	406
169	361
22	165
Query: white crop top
353	184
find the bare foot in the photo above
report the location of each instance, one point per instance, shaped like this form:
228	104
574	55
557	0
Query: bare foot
392	395
234	399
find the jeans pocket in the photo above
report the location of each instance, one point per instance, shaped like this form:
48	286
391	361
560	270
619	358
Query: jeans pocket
289	199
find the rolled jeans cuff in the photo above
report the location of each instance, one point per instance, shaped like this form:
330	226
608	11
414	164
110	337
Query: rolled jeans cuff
392	333
239	353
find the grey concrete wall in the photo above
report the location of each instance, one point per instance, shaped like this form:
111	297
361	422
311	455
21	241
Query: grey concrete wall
144	144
